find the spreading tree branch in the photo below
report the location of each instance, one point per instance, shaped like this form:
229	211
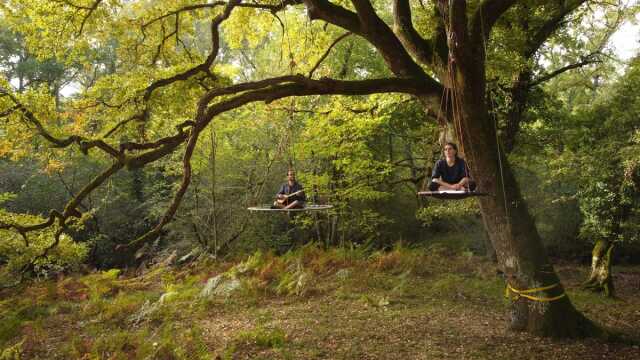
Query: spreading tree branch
87	16
326	53
266	90
121	124
540	35
299	85
546	77
84	144
485	18
369	26
273	8
70	209
24	230
334	14
419	47
206	65
89	11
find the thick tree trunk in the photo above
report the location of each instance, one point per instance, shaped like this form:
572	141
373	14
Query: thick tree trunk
522	257
546	312
600	278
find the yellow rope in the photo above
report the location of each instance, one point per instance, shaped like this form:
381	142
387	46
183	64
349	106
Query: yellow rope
524	293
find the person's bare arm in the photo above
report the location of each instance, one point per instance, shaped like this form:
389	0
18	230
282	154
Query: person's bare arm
445	185
462	183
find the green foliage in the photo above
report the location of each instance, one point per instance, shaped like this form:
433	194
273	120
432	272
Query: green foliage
262	337
9	327
282	276
294	282
599	206
259	337
18	251
366	155
101	283
13	352
25	70
609	199
576	160
451	213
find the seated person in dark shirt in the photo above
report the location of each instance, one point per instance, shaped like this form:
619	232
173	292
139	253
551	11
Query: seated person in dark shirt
291	194
451	173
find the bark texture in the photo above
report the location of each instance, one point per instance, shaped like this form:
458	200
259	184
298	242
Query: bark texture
508	222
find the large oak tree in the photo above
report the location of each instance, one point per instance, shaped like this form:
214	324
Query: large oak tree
430	50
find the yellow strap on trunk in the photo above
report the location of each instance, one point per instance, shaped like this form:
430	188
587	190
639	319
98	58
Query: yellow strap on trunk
525	293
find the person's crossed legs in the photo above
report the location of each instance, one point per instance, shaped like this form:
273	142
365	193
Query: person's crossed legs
469	186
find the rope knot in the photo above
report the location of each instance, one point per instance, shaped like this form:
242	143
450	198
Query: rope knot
515	294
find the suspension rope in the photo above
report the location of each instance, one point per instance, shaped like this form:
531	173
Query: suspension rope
514	294
495	130
291	143
454	94
282	144
290	121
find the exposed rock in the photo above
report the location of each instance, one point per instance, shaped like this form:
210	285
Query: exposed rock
192	255
343	274
145	311
226	288
149	307
221	285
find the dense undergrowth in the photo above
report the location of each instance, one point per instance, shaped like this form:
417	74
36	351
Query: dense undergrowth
306	303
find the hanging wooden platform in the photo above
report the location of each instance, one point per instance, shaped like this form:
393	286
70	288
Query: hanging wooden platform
452	194
309	207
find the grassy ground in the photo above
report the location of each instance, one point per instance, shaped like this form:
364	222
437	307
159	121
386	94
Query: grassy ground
336	304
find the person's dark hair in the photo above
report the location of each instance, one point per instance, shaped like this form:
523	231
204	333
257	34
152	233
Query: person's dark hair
454	146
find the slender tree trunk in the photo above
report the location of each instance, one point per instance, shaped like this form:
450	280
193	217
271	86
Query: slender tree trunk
600	278
214	204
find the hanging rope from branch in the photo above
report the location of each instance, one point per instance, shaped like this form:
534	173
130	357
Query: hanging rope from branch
495	129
